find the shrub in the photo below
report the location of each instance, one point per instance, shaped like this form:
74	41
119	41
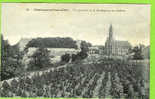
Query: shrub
79	56
65	58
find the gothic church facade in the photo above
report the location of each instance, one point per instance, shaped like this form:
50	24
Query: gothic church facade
115	47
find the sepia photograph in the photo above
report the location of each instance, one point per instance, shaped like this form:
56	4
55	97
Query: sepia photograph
75	50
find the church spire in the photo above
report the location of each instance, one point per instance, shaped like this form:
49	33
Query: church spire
110	32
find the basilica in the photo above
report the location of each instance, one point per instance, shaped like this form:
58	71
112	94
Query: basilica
115	47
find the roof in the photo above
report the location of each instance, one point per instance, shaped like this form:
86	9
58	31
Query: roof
94	47
124	44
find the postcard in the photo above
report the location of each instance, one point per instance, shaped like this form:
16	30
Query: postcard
75	50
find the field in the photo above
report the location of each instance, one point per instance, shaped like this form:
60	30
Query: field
107	78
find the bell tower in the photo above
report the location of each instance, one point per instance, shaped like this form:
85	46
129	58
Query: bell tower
110	33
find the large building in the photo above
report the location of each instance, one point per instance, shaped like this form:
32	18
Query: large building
115	47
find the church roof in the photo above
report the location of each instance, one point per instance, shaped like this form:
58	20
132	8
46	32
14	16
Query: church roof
122	43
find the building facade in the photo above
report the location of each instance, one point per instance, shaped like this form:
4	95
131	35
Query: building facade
115	47
93	50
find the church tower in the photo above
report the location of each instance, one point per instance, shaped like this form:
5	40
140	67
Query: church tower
109	43
110	33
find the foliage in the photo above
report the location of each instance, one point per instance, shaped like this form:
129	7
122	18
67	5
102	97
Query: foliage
137	53
74	57
84	46
80	55
11	60
39	59
83	53
56	42
65	58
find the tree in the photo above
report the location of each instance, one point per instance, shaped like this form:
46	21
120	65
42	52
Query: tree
56	42
74	57
85	46
137	50
10	60
39	59
83	53
65	58
84	49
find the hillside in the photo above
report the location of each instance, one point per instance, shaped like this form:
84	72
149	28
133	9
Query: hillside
110	79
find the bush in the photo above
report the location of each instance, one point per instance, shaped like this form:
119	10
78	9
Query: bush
137	50
82	55
79	56
74	57
65	58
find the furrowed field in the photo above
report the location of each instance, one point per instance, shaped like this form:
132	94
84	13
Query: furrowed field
107	78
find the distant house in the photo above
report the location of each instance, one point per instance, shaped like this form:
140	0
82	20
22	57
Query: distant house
93	50
115	47
62	51
55	51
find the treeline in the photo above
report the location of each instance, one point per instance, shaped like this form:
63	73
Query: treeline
56	42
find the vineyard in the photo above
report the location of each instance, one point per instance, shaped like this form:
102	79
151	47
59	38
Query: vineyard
113	79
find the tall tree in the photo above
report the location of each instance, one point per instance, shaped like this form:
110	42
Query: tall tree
7	66
137	50
11	60
85	46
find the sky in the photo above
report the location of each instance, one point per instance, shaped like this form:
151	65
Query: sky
88	22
